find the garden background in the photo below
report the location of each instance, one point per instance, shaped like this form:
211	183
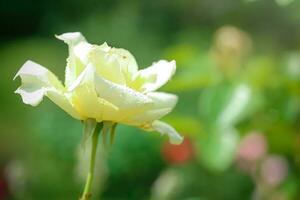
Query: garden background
238	82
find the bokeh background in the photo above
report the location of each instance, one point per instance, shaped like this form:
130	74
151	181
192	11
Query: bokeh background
238	82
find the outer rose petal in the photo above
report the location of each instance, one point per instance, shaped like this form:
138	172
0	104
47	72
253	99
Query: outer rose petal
163	100
163	103
72	38
79	49
38	81
165	128
153	77
63	102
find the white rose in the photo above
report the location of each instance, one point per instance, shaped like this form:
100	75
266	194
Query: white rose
104	84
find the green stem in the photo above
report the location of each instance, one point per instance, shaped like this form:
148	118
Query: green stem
89	180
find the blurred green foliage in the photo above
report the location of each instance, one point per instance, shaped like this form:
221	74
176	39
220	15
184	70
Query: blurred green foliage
230	82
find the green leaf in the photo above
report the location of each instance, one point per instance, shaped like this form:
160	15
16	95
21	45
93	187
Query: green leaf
225	105
235	107
217	149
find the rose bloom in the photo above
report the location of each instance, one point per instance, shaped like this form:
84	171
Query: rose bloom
104	84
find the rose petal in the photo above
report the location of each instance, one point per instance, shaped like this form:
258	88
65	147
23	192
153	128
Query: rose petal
163	103
165	128
38	81
107	64
79	49
128	63
123	97
86	100
153	77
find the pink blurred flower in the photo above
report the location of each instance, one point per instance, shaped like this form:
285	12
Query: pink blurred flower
274	170
252	148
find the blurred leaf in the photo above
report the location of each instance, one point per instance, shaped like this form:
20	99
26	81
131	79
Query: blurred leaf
217	148
222	107
225	105
292	65
284	2
291	68
235	107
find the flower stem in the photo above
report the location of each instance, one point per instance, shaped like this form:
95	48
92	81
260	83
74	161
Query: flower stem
89	180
